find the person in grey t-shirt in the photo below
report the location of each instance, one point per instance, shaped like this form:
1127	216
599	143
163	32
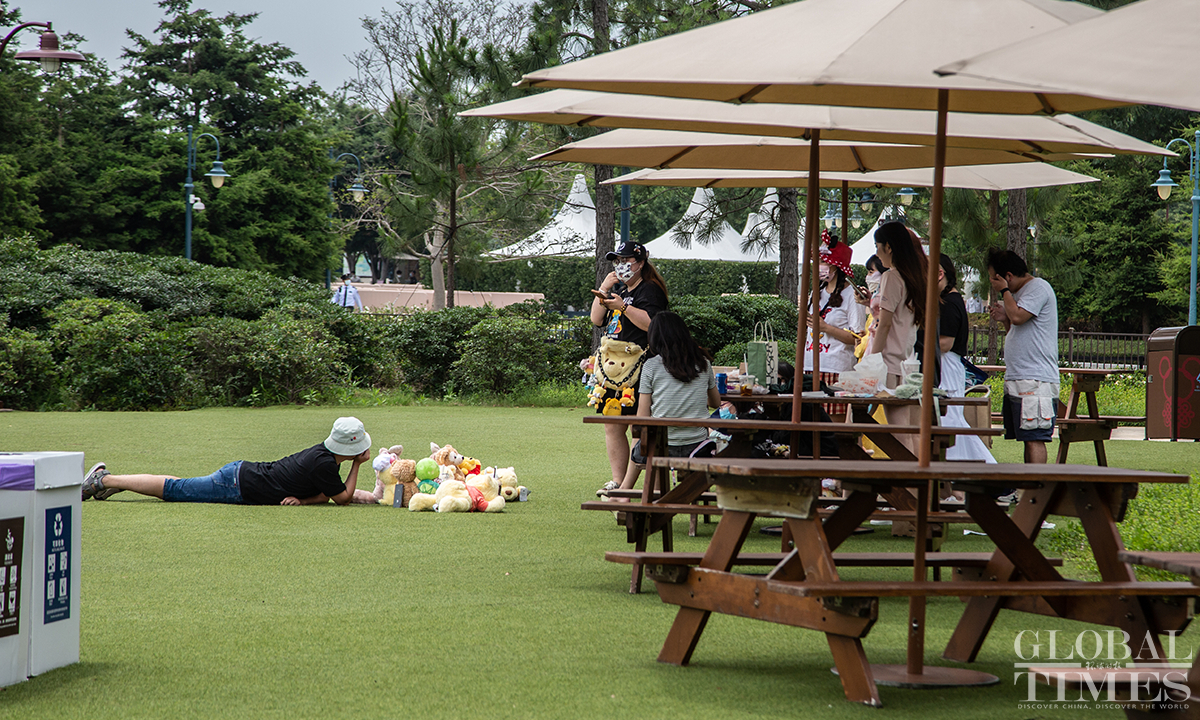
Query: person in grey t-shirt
1028	309
677	382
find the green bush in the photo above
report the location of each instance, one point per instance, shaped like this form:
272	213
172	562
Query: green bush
566	282
717	322
112	357
176	287
426	344
501	355
28	375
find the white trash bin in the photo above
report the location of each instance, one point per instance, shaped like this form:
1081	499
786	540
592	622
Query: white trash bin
49	576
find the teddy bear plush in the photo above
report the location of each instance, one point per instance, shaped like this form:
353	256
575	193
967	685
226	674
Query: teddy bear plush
392	474
447	456
507	477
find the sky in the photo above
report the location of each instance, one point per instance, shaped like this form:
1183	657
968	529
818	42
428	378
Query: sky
321	33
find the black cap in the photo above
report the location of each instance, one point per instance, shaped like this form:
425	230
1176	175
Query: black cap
634	250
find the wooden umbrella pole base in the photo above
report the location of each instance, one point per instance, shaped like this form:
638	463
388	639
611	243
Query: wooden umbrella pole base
930	677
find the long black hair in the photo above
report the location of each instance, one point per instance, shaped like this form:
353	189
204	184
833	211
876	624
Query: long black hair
671	340
909	262
835	297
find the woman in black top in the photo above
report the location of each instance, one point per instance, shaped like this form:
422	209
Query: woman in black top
628	299
953	327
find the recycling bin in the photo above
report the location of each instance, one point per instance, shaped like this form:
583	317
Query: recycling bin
1173	383
39	566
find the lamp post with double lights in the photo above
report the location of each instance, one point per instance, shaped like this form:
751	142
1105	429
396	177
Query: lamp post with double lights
48	52
1164	183
357	191
217	175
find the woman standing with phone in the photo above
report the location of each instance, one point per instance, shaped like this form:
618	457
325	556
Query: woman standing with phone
628	299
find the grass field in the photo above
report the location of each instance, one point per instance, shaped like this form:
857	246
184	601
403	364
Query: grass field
206	611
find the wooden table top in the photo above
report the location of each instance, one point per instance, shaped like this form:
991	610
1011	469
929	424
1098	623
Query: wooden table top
747	425
873	400
1006	474
1069	371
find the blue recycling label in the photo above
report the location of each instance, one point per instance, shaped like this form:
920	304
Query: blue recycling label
58	564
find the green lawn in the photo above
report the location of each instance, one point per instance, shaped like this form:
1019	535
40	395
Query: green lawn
206	611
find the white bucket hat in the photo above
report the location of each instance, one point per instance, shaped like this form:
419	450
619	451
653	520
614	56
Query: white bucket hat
348	437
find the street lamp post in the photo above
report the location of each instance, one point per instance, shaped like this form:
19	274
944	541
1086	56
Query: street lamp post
1164	183
47	53
217	175
357	191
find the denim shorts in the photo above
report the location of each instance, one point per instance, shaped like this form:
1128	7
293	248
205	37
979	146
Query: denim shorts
220	487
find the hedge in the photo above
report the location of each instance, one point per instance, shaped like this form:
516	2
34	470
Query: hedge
566	282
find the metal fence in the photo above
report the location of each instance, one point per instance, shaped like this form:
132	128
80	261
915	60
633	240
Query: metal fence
1111	351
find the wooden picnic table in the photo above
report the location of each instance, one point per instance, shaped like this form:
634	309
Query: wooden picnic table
656	484
803	589
1090	427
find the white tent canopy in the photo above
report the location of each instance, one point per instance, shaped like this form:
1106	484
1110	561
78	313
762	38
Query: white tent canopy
726	244
572	232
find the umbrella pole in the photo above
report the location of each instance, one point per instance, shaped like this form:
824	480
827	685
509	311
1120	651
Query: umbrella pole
811	207
914	674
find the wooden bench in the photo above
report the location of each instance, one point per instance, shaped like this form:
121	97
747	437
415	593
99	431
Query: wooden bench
1155	691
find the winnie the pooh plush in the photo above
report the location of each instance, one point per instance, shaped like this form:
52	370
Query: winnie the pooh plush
509	489
480	494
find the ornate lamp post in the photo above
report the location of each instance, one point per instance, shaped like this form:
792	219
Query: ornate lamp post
1164	183
47	53
217	175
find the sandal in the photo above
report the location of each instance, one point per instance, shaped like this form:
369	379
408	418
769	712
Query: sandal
610	485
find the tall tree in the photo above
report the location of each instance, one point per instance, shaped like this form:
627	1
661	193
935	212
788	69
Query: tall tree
202	70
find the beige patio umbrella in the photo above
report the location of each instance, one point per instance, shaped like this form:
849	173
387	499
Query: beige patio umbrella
866	53
973	177
1036	134
681	149
1140	53
862	53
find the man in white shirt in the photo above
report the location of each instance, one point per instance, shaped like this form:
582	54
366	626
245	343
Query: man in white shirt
1028	309
346	296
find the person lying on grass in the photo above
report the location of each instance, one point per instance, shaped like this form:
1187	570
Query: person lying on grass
306	478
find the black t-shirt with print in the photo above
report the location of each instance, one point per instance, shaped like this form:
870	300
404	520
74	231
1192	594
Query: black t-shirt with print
646	296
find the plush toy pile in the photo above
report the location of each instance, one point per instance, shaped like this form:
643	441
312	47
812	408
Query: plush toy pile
446	481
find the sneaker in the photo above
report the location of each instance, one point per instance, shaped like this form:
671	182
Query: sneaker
610	485
93	484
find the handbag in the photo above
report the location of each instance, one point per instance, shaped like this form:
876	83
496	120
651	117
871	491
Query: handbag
620	363
762	354
975	376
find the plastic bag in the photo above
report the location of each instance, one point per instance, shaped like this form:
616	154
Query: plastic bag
867	378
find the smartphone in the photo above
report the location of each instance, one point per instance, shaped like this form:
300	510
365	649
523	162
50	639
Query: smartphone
602	296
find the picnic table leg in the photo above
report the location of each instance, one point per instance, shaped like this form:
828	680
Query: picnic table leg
1094	411
1105	540
689	622
849	658
1072	412
981	612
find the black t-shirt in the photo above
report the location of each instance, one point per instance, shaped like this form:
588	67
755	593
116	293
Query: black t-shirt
952	322
307	473
646	296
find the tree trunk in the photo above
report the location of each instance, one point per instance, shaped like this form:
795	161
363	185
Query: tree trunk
450	237
606	225
787	280
438	283
606	216
1018	224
